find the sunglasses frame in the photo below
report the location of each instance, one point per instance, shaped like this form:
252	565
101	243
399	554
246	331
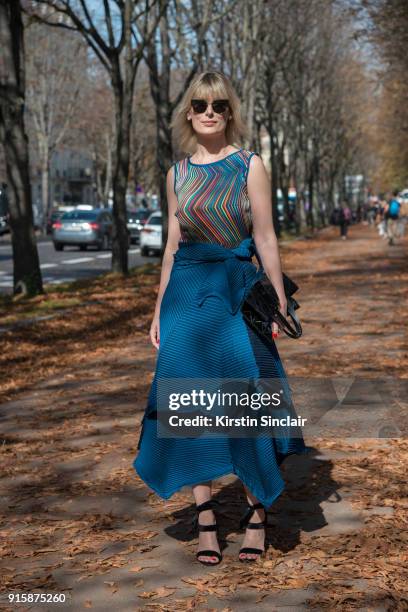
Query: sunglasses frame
223	100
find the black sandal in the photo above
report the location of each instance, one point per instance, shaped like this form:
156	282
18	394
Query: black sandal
208	505
244	522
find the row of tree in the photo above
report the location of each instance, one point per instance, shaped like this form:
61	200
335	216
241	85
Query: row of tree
111	74
387	29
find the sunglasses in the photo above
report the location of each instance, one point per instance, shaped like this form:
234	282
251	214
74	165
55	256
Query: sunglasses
218	106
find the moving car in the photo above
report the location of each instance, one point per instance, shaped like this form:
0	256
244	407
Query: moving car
83	228
136	219
151	234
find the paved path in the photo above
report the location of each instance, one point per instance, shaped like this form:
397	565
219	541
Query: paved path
78	521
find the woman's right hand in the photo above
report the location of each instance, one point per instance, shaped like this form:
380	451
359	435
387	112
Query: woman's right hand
155	331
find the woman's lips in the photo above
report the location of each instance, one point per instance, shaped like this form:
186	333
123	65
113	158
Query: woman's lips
209	122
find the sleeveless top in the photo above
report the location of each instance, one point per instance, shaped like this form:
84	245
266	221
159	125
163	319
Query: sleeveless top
213	203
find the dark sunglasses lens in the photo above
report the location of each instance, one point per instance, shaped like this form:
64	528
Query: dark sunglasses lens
199	106
220	107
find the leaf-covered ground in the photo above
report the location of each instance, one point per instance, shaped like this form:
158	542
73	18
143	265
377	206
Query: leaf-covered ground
77	520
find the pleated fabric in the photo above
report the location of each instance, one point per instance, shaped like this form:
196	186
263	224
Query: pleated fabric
203	335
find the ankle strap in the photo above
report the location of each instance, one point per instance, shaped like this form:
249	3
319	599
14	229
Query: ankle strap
248	514
257	506
208	505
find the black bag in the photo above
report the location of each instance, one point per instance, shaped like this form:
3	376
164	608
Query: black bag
261	307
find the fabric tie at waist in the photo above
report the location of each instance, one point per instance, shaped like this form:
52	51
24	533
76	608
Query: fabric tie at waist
231	273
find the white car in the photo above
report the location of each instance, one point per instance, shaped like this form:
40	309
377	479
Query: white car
151	234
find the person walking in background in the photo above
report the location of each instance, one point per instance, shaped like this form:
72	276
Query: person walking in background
341	216
337	217
391	214
403	217
359	213
347	219
371	210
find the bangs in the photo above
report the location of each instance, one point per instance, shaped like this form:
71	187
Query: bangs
211	86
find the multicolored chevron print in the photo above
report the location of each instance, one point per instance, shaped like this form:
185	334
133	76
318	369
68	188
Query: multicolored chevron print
213	203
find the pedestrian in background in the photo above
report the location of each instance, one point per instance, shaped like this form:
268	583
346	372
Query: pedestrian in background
345	220
403	217
391	215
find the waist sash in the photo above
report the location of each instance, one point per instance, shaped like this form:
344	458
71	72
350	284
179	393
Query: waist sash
231	273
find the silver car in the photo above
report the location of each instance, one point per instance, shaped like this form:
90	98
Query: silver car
83	228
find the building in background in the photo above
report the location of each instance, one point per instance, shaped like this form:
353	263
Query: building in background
71	180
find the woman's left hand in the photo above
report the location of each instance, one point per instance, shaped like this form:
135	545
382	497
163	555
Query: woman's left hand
283	310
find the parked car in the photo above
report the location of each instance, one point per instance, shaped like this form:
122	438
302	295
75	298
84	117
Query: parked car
83	228
136	219
54	216
151	234
4	224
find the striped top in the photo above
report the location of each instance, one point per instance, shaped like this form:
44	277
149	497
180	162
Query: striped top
213	203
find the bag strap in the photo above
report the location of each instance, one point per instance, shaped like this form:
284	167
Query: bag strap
293	331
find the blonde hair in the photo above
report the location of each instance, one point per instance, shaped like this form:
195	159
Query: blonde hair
206	84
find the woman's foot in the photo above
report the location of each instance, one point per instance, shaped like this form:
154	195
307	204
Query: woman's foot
207	540
254	538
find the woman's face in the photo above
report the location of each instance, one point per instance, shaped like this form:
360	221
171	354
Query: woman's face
209	115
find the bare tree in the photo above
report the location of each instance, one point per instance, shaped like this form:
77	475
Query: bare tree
117	32
95	126
173	57
144	170
27	273
386	28
55	74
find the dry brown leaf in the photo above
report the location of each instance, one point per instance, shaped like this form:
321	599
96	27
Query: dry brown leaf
147	594
164	592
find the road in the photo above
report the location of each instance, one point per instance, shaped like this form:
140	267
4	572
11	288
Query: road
68	265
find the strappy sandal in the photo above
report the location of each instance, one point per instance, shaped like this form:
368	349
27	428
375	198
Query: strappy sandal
244	522
208	505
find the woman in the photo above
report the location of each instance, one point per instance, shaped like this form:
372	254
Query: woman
219	210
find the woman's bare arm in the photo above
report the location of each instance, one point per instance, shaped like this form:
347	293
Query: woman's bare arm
173	238
259	193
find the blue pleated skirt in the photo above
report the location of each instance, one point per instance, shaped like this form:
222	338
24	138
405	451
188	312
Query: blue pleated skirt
203	335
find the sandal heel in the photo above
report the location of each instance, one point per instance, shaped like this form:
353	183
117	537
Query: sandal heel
245	522
208	505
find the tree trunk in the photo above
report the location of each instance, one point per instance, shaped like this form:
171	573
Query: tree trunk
164	159
45	183
310	184
299	211
120	240
257	142
274	184
27	273
284	185
108	178
160	92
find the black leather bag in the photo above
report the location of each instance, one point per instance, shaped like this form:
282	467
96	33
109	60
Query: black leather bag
261	307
